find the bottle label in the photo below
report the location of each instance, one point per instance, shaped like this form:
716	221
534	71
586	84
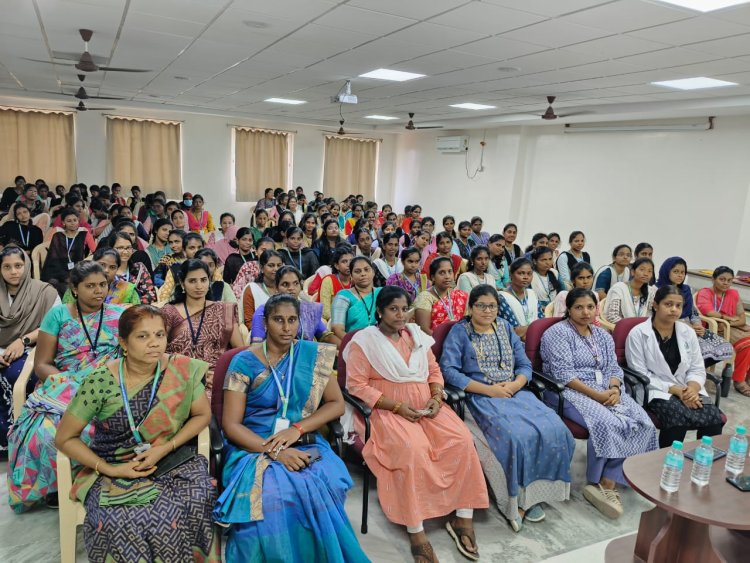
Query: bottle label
738	447
674	461
704	456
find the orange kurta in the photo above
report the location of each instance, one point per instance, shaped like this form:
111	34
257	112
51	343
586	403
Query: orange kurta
424	469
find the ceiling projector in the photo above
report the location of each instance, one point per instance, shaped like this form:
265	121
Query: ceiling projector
344	96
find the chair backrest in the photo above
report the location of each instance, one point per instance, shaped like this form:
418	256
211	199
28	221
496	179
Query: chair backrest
549	310
534	340
439	334
220	372
341	363
620	335
38	256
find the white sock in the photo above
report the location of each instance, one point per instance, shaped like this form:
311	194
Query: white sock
465	513
415	529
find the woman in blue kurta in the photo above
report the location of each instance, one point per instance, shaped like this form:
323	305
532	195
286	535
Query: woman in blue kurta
524	447
582	357
285	488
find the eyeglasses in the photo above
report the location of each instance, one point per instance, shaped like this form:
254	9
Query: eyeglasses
486	307
124	249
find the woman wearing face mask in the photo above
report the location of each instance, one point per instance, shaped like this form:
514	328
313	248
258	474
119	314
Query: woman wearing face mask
244	253
617	271
130	270
68	246
519	304
295	254
634	298
544	282
199	220
159	246
257	292
23	303
569	258
410	279
325	246
196	326
668	353
120	291
73	340
219	290
354	308
21	231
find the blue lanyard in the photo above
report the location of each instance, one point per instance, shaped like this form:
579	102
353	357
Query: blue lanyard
69	247
25	243
284	394
195	335
524	304
126	403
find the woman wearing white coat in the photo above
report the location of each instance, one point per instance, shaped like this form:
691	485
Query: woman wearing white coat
668	352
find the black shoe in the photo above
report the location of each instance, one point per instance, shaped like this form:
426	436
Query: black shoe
52	500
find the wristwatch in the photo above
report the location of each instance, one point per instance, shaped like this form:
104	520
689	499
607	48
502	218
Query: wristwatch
26	341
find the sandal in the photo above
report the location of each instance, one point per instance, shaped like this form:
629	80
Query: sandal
425	551
742	387
458	533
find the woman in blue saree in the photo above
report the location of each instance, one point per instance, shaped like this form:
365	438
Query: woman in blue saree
524	447
284	487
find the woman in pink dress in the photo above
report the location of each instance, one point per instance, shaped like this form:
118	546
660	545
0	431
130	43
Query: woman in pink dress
422	455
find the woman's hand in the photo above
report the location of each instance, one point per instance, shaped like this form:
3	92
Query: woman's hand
14	351
521	331
126	470
282	439
691	398
293	459
608	398
502	390
151	457
408	412
700	330
433	405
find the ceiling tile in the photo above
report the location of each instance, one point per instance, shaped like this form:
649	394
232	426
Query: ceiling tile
199	11
486	18
553	59
444	61
628	15
694	30
415	9
556	33
335	40
616	46
726	47
500	48
365	21
668	58
552	8
436	36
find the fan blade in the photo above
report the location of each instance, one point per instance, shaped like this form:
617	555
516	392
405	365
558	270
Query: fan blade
48	62
71	56
105	98
575	113
117	69
430	127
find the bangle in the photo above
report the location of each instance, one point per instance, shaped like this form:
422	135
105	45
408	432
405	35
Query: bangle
298	426
96	467
396	407
174	445
379	401
616	387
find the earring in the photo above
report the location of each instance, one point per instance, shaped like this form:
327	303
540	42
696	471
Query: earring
124	353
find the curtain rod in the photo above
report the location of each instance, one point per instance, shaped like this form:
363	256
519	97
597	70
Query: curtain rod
152	119
269	129
351	137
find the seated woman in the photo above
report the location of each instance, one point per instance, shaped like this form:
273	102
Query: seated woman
519	304
326	244
713	347
525	448
363	243
444	245
199	220
512	250
250	270
668	353
582	357
308	222
633	298
73	340
159	246
132	511
442	302
389	264
722	301
582	275
243	254
257	292
191	244
196	326
421	454
569	258
498	266
463	241
21	231
23	303
68	246
132	270
354	308
219	290
553	242
174	256
544	282
476	272
285	487
410	278
539	240
338	279
311	326
120	291
296	254
617	271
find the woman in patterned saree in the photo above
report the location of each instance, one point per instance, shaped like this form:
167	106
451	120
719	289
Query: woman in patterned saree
133	513
354	308
197	327
120	291
73	340
582	357
442	302
285	488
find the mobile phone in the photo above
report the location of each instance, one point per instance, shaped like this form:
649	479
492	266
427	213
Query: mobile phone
742	482
423	412
718	453
314	454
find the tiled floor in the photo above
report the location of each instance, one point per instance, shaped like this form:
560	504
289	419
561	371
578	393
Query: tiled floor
574	531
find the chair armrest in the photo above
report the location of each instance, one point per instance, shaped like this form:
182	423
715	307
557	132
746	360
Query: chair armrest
711	323
536	387
204	443
722	325
216	437
358	405
551	385
634	379
717	382
337	436
456	397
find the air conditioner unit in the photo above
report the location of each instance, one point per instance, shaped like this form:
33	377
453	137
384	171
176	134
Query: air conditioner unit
452	144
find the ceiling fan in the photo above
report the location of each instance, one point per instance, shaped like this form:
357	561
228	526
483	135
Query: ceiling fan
411	127
550	113
342	132
81	93
82	107
86	62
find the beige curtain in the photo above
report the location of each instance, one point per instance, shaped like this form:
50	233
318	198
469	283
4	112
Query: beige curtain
145	153
37	144
260	161
350	167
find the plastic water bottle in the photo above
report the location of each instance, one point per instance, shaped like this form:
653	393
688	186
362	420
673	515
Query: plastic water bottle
737	453
672	470
703	459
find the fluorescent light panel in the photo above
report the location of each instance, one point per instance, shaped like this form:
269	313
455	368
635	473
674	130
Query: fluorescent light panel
705	5
381	117
285	101
471	105
696	83
395	75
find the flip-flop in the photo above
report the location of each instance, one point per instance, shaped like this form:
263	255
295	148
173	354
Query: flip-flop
423	550
457	533
742	387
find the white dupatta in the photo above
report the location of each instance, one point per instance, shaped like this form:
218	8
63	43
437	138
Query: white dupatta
532	305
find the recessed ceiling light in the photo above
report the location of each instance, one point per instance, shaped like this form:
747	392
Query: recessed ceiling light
383	117
508	69
396	75
285	101
470	105
694	83
181	78
255	24
705	5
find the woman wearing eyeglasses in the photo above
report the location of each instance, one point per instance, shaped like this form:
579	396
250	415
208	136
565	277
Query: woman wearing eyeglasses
524	447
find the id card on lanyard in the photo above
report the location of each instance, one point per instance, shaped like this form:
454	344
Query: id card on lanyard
282	423
594	349
141	446
69	248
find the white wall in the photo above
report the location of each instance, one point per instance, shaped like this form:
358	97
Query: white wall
685	193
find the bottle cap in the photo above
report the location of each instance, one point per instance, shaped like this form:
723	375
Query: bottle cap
707	440
677	445
740	430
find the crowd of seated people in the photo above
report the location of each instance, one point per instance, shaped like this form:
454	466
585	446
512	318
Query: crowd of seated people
128	303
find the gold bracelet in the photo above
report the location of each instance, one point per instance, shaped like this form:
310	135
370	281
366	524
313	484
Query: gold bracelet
96	467
174	445
379	401
396	407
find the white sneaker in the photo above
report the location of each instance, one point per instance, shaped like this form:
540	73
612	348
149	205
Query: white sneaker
606	501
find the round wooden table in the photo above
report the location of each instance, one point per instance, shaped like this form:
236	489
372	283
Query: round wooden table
708	524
